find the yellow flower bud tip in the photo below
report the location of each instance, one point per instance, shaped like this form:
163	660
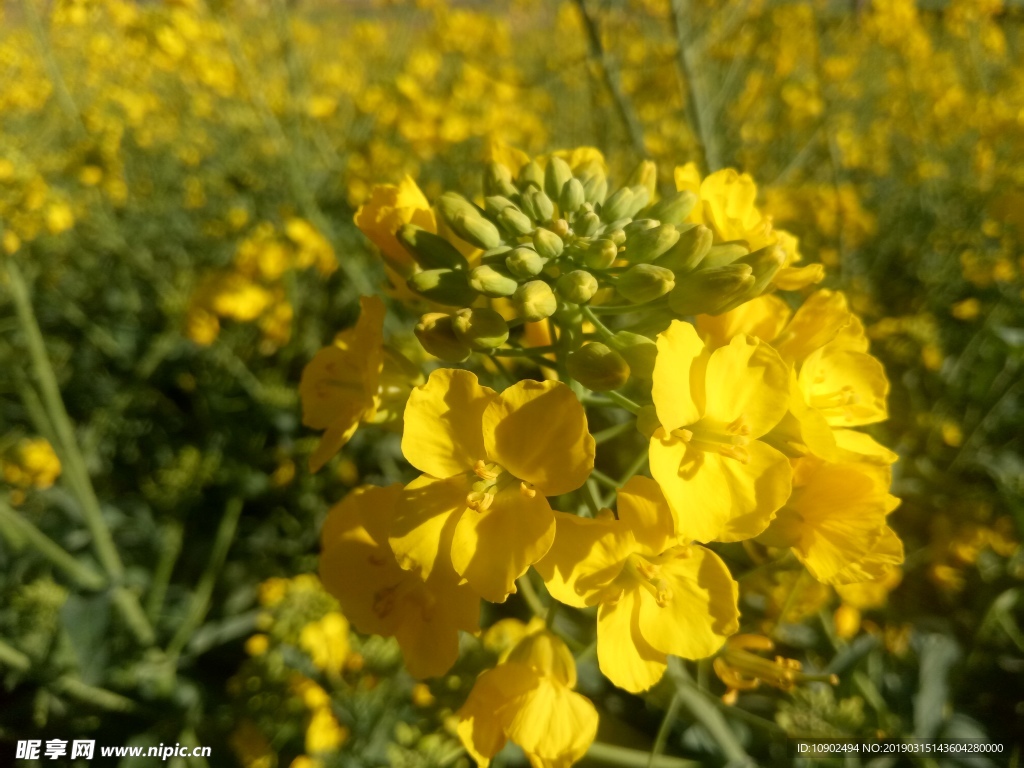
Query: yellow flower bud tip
674	208
556	175
577	287
601	254
535	301
548	243
644	175
617	204
498	180
524	262
560	227
530	175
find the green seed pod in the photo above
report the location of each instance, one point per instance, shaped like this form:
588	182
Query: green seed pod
548	244
674	208
443	286
535	300
492	281
572	197
598	367
530	175
587	224
537	205
639	351
556	175
689	251
651	243
645	282
578	286
615	207
644	175
480	328
711	290
430	251
725	253
498	180
475	229
525	263
515	221
437	335
601	254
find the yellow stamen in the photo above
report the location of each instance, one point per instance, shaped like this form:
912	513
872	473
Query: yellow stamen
526	490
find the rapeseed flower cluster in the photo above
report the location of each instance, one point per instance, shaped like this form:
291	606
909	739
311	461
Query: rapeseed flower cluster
663	312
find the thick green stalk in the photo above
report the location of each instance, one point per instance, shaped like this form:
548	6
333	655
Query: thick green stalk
609	754
170	541
84	693
84	576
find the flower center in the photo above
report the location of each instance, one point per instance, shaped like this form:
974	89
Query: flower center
648	575
492	478
407	591
840	398
730	440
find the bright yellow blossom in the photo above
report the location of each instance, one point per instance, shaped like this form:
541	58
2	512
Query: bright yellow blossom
489	461
326	642
722	482
658	594
388	208
339	386
359	569
528	699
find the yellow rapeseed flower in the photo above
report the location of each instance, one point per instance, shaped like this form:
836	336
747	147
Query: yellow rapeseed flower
529	699
359	569
388	208
658	594
489	462
326	641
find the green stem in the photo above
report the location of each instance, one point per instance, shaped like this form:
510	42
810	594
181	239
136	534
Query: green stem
91	695
84	576
704	711
637	464
625	402
530	596
663	730
614	431
171	547
200	603
13	658
602	478
609	754
701	121
522	351
592	497
602	329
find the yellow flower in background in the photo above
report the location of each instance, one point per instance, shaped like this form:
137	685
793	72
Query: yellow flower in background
32	464
722	482
326	642
388	208
528	699
489	462
359	569
835	521
339	386
658	595
741	668
324	733
727	206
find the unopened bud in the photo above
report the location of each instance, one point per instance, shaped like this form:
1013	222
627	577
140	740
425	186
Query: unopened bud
641	197
498	180
495	204
601	254
649	244
765	262
639	225
587	224
615	207
430	251
556	175
572	196
492	281
639	351
617	236
598	367
475	229
595	183
674	208
480	328
578	286
530	175
548	244
535	301
689	251
436	334
645	282
710	289
644	175
725	253
525	263
537	205
515	221
443	286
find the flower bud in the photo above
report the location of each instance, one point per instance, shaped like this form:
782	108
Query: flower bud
443	286
556	175
645	282
595	183
515	221
689	251
498	180
639	225
525	263
475	229
725	253
572	196
430	251
492	281
674	208
537	205
710	289
617	236
641	197
495	204
598	367
578	286
480	328
531	174
535	301
436	334
649	244
601	254
548	244
496	255
615	207
587	224
639	351
644	175
765	262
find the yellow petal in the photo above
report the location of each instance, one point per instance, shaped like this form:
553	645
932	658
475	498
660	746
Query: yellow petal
854	446
623	654
716	498
579	157
687	178
678	390
482	721
763	317
388	208
332	441
554	725
431	618
643	509
746	381
585	558
848	388
702	610
426	514
507	155
538	432
495	546
795	278
819	320
803	429
443	423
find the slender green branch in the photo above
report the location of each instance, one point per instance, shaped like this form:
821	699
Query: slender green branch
530	596
704	711
170	541
635	466
701	121
200	603
609	754
84	576
610	433
602	329
592	497
671	714
607	482
101	698
625	402
13	658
